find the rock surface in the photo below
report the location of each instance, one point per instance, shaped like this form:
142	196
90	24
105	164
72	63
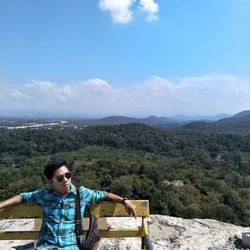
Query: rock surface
166	233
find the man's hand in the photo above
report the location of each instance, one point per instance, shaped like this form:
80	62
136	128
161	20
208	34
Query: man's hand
130	208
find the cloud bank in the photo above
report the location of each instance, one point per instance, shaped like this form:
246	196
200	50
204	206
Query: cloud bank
122	11
204	95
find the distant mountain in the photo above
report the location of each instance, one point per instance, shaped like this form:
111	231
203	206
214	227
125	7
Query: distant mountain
114	120
222	123
164	122
242	114
239	123
199	117
59	114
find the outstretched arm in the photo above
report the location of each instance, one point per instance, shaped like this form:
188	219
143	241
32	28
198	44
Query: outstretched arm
130	208
12	201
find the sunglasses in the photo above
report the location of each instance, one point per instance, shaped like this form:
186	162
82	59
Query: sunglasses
60	178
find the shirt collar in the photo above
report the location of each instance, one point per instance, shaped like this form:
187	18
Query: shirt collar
72	190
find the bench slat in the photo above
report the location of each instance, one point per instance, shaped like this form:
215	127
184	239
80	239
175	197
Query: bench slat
21	211
33	235
103	209
115	233
109	209
19	235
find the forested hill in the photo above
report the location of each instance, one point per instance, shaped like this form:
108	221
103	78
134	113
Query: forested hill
139	161
237	124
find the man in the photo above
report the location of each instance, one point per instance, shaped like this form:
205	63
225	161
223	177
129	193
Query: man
58	230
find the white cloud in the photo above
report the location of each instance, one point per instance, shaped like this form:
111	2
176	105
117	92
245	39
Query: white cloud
204	95
121	10
8	91
151	8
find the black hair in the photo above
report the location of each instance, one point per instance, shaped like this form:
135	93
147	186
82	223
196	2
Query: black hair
52	166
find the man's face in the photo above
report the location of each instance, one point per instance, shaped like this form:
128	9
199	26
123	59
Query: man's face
60	181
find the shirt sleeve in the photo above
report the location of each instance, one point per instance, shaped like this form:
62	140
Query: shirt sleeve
34	197
92	196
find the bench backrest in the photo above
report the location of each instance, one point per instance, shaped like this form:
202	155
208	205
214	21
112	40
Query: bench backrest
103	209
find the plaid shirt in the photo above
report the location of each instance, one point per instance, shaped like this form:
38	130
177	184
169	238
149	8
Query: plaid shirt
58	228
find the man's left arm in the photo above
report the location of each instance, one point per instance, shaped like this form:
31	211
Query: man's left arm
11	201
130	208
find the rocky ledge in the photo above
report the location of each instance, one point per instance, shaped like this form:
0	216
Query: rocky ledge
166	233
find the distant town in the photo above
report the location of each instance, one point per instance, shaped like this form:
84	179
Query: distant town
12	123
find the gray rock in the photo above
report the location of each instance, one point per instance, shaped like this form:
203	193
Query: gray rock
166	233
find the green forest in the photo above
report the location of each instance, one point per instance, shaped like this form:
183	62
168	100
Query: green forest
139	162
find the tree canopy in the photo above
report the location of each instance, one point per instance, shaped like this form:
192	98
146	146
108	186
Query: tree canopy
139	162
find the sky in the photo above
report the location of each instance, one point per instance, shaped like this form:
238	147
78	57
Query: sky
137	58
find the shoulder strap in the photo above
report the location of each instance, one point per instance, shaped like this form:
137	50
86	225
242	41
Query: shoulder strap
79	230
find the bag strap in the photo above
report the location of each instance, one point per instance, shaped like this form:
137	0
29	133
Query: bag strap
78	218
90	222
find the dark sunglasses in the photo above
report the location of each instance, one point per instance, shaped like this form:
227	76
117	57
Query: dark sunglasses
60	178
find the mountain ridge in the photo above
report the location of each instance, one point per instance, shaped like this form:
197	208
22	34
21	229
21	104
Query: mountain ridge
238	123
60	115
153	120
220	123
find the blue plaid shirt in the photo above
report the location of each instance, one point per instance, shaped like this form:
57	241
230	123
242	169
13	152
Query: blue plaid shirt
58	228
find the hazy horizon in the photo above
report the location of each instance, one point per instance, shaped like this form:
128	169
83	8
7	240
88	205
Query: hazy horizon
42	114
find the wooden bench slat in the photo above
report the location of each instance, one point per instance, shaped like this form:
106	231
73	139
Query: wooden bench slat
103	209
111	233
109	209
115	233
21	211
19	235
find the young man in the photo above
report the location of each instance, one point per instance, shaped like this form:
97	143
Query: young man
58	230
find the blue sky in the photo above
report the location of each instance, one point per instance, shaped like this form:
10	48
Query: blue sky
125	57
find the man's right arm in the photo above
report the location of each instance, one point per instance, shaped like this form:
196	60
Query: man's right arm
12	201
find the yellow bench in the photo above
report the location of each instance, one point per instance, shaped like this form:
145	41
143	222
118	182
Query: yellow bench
104	209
